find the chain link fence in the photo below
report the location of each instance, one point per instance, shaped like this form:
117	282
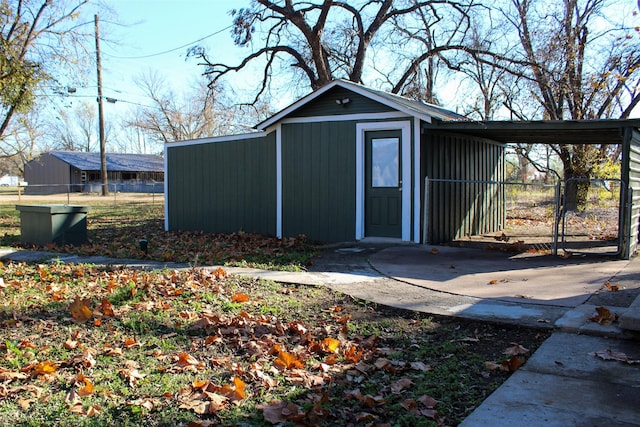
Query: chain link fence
535	217
74	194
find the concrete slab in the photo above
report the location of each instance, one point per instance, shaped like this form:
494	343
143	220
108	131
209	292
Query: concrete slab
630	320
578	320
564	384
539	400
489	274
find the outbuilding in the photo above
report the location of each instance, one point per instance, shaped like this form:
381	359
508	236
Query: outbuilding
75	171
343	163
348	162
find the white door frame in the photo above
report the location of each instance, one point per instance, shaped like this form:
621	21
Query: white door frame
405	128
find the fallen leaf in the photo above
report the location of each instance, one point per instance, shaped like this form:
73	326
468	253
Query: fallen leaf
25	403
420	366
94	410
400	385
185	359
88	385
6	375
613	288
287	361
107	308
235	391
513	363
330	344
493	366
240	297
353	354
428	401
365	416
609	354
131	375
130	342
70	344
80	310
515	350
604	316
45	368
277	412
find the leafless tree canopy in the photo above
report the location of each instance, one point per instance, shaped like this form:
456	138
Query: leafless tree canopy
572	59
325	40
197	113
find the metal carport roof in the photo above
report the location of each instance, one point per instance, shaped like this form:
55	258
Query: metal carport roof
543	132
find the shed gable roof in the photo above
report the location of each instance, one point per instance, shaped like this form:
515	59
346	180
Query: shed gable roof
116	162
408	106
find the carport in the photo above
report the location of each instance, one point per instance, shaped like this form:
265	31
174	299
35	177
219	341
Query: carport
623	133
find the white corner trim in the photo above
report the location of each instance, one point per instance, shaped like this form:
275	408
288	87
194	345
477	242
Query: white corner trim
416	180
166	191
279	181
405	128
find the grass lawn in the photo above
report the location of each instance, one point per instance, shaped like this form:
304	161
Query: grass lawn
90	345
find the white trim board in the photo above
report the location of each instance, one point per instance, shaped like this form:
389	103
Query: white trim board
279	181
347	117
216	139
361	129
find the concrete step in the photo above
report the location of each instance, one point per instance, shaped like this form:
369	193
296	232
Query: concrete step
630	319
578	321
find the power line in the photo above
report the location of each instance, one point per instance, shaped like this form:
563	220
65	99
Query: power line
170	50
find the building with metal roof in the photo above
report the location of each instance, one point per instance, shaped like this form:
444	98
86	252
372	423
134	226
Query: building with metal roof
73	171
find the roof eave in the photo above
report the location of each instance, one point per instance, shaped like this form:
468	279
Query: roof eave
347	85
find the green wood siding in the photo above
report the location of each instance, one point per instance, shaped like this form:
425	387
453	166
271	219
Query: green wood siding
223	187
318	180
325	105
475	205
630	175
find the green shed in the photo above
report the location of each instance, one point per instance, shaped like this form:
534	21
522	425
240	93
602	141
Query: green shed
343	163
348	162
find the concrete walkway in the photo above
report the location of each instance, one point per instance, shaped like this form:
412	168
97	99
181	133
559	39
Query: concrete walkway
564	383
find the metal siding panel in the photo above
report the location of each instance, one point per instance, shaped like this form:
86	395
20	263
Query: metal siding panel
212	186
631	174
319	180
326	105
458	208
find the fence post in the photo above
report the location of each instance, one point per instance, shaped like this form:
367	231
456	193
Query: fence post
556	219
425	213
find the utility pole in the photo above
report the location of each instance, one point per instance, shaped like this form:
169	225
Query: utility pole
103	153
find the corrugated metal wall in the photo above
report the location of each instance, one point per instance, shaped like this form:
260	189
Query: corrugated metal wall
464	197
223	187
318	179
47	175
630	226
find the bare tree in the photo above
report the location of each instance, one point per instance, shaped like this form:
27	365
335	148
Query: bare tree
175	117
566	60
34	35
24	140
74	130
325	40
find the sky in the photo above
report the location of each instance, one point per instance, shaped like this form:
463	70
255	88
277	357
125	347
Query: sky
142	36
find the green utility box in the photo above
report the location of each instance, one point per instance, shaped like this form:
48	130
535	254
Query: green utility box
60	224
